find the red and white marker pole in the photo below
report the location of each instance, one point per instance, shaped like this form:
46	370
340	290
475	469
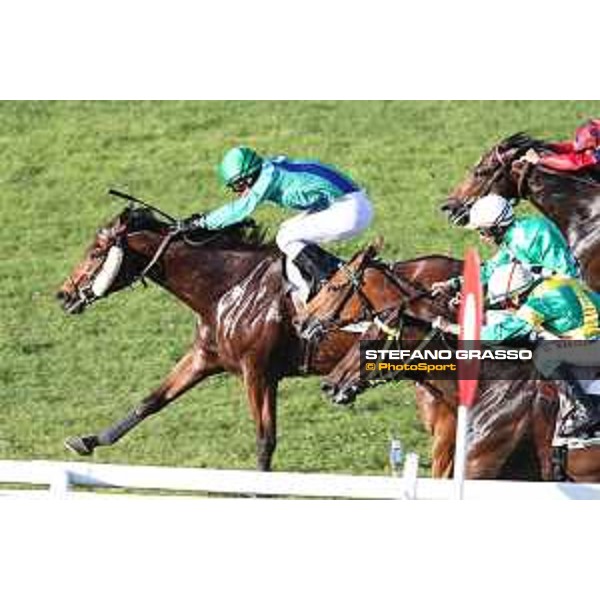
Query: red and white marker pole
470	319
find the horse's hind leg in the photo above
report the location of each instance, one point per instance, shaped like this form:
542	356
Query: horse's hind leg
544	412
488	455
187	373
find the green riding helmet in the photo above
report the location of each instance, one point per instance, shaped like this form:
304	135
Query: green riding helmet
239	163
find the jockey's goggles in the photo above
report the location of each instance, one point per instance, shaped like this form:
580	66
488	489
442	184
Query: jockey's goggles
240	185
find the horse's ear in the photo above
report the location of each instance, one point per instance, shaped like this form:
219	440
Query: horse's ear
125	214
374	248
377	244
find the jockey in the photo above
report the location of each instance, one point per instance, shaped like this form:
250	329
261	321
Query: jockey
583	151
555	308
333	208
534	241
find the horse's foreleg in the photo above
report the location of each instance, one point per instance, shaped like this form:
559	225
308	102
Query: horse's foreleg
543	420
442	453
187	373
262	397
265	444
439	420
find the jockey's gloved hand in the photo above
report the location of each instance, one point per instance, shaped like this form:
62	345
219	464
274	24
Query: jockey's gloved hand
193	222
449	286
455	300
444	325
531	156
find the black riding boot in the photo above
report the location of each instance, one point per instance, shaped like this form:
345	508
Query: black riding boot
317	266
584	417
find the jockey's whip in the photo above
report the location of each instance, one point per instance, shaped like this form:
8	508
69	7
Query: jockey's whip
131	198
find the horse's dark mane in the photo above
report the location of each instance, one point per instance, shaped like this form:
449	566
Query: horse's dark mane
523	141
569	184
142	219
580	180
246	235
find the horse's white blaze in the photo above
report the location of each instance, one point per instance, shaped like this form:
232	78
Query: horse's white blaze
109	271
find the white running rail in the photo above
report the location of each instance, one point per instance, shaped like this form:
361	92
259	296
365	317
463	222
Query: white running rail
60	477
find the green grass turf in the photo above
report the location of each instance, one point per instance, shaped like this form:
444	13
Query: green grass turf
64	375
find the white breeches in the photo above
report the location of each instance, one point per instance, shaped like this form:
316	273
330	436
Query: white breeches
345	218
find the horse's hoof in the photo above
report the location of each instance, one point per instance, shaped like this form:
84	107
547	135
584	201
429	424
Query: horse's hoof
343	399
80	445
328	388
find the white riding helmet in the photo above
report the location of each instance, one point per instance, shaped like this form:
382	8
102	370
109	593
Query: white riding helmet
508	280
490	211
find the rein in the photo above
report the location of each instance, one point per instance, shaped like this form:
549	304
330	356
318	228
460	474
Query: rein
133	200
394	339
162	248
173	232
503	164
368	312
498	172
355	277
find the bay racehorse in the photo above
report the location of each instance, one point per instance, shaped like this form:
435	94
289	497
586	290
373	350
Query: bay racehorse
511	426
234	282
571	200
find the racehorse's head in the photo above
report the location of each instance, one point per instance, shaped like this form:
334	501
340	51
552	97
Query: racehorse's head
498	171
353	294
107	266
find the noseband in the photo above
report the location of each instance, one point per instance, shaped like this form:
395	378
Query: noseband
316	329
460	214
97	282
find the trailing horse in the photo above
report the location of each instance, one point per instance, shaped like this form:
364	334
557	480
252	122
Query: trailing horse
572	200
511	426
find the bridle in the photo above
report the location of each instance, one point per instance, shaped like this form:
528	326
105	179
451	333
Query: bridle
98	280
394	335
315	329
502	166
90	290
114	253
498	169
